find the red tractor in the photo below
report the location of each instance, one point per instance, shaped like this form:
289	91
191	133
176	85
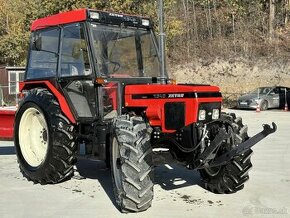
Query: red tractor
92	88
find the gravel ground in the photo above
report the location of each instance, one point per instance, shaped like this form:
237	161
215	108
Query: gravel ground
177	191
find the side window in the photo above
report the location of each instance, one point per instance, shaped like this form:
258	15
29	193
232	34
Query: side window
44	54
275	91
14	77
282	90
150	56
74	55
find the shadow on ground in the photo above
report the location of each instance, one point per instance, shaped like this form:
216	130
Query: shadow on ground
7	150
168	177
174	177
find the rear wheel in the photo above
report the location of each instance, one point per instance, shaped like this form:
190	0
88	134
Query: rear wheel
44	139
231	177
131	164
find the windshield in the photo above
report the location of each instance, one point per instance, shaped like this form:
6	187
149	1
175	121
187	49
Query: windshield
261	91
124	52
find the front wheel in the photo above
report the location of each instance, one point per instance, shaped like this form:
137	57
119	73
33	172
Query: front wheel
231	177
131	163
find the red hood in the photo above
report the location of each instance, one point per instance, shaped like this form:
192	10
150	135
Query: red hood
152	98
157	88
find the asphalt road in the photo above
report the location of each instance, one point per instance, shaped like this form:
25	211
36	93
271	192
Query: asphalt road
177	191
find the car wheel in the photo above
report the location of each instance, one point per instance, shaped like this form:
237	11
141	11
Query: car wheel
264	106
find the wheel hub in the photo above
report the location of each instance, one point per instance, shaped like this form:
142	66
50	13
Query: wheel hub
44	135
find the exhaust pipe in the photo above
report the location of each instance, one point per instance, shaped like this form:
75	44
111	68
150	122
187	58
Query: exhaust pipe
163	73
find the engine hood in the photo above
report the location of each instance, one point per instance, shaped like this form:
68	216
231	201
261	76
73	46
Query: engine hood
153	99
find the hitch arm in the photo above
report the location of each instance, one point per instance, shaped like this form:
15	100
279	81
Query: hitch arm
223	159
208	153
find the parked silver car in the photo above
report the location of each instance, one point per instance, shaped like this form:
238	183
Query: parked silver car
265	97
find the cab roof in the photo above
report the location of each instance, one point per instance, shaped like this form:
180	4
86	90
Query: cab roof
91	15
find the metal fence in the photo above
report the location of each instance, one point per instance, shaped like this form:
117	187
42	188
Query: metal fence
6	98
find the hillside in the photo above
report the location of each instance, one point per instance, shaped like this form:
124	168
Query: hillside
234	76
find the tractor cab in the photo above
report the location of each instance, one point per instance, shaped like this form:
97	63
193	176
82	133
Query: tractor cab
83	49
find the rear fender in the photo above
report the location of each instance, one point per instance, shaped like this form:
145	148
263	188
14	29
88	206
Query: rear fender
59	96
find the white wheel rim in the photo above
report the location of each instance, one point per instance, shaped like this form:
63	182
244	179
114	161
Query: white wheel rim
33	137
115	159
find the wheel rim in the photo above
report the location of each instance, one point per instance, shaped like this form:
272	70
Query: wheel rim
116	164
33	137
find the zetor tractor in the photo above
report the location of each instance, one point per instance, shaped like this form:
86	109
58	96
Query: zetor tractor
92	88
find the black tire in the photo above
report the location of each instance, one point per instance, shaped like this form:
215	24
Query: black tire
264	105
231	177
131	164
57	164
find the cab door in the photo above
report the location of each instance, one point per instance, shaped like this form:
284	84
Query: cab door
284	96
274	98
75	71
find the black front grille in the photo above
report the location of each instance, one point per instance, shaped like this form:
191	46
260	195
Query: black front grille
174	115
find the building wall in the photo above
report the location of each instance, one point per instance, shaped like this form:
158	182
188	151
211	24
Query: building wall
4	83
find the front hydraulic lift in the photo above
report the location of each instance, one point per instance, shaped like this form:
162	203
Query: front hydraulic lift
206	156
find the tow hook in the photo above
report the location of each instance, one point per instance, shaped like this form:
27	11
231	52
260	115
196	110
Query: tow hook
241	148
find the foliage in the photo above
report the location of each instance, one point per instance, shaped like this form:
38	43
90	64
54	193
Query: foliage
202	28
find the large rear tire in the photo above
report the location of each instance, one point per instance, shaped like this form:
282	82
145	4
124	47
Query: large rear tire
231	177
44	139
131	164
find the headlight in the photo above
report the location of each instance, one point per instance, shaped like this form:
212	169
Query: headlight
145	22
215	114
202	115
95	15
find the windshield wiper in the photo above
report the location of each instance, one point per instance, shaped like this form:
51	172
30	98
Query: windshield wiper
118	37
139	54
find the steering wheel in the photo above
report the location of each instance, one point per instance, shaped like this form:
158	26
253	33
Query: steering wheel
116	67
